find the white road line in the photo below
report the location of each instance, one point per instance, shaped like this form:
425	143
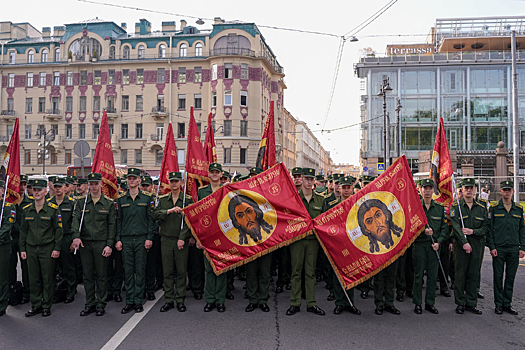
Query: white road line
124	331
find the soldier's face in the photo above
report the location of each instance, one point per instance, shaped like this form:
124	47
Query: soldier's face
346	191
330	185
507	193
468	192
59	189
337	188
147	188
427	191
308	182
133	181
376	224
246	217
175	185
23	186
215	175
95	187
81	188
298	180
224	179
38	193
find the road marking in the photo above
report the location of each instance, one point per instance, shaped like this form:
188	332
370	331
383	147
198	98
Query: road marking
124	331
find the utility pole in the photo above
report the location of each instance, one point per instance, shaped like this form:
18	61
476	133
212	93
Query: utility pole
515	120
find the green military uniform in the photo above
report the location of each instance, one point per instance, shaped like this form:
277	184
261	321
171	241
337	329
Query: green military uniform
172	257
507	237
154	258
40	235
467	266
8	220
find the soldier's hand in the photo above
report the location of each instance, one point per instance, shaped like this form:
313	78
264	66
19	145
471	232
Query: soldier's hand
77	242
192	242
467	248
118	245
467	231
428	231
55	254
199	246
494	253
522	254
180	244
148	244
450	247
435	246
176	209
106	252
24	256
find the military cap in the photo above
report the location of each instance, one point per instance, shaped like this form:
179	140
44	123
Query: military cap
418	182
146	180
356	185
237	178
59	181
367	179
2	183
94	177
38	183
119	179
215	166
468	182
297	171
156	181
226	174
506	184
134	172
74	177
256	170
320	177
49	178
23	178
337	177
175	175
82	181
329	177
426	182
69	180
347	180
309	172
244	177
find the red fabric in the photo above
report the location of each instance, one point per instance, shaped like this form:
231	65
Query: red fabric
209	143
441	168
170	162
196	163
12	165
354	256
277	212
103	162
266	156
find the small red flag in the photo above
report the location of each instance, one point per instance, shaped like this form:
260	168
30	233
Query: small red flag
196	163
103	162
12	166
209	143
441	168
266	155
170	162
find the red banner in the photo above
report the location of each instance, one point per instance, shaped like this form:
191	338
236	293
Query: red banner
209	143
11	165
103	162
266	155
370	230
170	162
441	169
196	163
242	221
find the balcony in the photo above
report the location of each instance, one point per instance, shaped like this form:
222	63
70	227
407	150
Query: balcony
111	112
154	140
8	115
4	140
159	113
57	143
53	114
115	144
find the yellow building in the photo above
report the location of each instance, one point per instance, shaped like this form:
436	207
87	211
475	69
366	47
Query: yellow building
289	152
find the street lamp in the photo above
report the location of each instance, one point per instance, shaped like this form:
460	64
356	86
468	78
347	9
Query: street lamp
44	152
385	89
398	109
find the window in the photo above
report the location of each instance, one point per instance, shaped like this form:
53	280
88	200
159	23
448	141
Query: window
12	57
57	55
159	154
125	76
28	132
140	103
54	105
31	56
138	131
124	156
111	127
228	71
29	105
29	80
54	156
83	104
227	98
159	131
198	75
214	99
10	104
160	103
111	77
244	71
41	105
160	75
11	81
140	76
98	78
44	55
69	104
96	131
197	103
182	75
142	52
42	79
68	156
182	102
138	156
244	98
69	131
125	102
41	130
81	131
162	51
27	156
244	128
124	131
242	159
112	53
199	127
96	103
181	156
198	49
181	128
183	52
214	72
227	159
69	78
83	77
56	78
54	129
125	53
227	128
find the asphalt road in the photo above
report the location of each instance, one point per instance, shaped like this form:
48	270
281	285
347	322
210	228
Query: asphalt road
236	329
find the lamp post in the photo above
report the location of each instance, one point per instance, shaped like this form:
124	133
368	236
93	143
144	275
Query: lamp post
44	152
383	91
398	110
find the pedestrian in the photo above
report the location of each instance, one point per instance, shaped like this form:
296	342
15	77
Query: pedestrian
8	220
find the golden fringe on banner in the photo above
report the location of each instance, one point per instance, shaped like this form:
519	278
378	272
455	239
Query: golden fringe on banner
14	193
199	177
112	184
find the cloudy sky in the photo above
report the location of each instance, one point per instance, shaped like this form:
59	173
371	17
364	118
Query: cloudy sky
308	59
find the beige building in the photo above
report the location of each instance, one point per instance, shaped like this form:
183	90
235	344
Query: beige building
60	83
310	153
347	169
289	151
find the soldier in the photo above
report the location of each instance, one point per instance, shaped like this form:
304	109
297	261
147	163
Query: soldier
40	242
94	240
82	187
366	286
225	177
8	220
357	187
341	301
70	187
506	241
425	247
51	189
146	183
470	226
175	235
297	174
66	205
329	185
29	190
135	231
304	252
156	187
320	183
154	254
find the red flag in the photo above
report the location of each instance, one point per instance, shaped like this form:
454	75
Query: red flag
209	143
196	163
103	161
266	155
370	230
12	166
276	207
170	162
441	168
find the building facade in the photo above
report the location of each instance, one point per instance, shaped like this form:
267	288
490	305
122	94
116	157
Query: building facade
61	82
310	153
289	152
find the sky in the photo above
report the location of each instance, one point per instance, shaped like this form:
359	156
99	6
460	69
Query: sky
309	60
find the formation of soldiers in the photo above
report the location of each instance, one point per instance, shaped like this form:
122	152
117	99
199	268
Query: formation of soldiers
139	243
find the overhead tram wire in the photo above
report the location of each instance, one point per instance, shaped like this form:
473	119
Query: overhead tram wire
370	19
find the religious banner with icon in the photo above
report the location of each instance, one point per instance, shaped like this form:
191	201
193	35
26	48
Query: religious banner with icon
370	230
242	221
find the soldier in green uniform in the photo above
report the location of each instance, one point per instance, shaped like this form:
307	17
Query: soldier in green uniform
175	235
470	226
357	187
341	301
135	231
51	189
366	286
225	177
8	220
304	252
66	205
216	286
506	241
70	186
94	241
425	247
15	245
297	175
154	257
40	242
82	187
320	184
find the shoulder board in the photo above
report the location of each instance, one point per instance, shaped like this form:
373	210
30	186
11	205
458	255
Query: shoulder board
482	205
80	197
48	199
146	193
439	203
109	199
189	197
27	206
494	204
121	195
31	197
53	205
518	205
7	204
71	199
203	186
164	195
455	203
318	194
332	202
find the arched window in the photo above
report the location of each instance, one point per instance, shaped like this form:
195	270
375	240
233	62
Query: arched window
57	55
31	56
112	53
162	51
44	55
125	53
198	49
142	51
86	45
183	50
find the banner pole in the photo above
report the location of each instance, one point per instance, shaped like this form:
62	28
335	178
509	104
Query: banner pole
459	206
158	188
184	196
440	264
3	202
343	288
82	217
